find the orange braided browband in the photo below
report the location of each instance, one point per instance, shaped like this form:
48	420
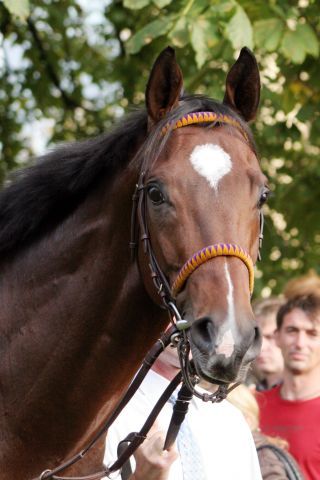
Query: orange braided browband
204	117
207	253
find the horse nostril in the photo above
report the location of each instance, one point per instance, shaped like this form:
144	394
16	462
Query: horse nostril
203	334
257	339
255	346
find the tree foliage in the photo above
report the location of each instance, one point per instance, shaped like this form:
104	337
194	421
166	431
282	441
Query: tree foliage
80	65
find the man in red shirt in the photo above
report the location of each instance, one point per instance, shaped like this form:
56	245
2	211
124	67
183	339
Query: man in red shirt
291	410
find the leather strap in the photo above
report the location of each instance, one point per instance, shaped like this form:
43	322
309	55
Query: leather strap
180	410
152	355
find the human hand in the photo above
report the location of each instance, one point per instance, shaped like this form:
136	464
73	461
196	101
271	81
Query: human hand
152	462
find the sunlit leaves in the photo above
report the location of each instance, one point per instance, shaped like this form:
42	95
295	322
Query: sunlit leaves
204	38
268	33
239	30
180	33
19	8
136	4
162	3
145	36
300	42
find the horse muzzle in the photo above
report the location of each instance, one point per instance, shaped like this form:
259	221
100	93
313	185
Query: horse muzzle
222	355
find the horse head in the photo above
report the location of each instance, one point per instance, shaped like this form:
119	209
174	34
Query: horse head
204	191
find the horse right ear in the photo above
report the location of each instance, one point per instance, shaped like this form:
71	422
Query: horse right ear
164	86
243	86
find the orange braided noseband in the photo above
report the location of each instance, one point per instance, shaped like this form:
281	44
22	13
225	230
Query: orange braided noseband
204	117
207	253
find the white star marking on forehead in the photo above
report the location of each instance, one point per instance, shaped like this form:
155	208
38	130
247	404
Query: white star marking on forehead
211	162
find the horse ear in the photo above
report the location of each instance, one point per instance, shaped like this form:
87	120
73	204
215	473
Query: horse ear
243	85
164	85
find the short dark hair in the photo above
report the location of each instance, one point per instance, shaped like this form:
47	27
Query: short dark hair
309	304
266	306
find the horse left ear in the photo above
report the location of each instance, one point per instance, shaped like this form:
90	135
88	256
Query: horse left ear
243	85
164	86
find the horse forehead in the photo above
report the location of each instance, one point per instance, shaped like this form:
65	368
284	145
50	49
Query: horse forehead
211	162
210	144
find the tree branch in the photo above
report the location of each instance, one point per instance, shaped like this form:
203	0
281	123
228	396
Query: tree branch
68	101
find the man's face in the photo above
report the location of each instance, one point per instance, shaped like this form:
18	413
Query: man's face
270	359
299	340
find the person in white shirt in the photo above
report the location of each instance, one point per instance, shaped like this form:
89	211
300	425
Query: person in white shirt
220	430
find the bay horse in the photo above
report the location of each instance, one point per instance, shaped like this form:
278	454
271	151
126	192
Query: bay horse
77	314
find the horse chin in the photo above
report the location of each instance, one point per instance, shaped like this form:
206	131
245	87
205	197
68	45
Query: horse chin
212	380
218	374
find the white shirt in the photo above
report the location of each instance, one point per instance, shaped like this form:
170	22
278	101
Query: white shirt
222	433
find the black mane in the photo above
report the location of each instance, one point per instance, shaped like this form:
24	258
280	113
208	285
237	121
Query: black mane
58	182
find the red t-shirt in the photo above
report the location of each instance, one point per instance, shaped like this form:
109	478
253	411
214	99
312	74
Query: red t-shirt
298	422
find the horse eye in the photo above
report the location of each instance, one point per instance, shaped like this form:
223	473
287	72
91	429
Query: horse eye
155	195
264	197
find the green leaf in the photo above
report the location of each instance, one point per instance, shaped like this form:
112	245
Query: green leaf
223	8
19	8
306	113
179	35
268	33
310	39
161	3
152	30
288	100
136	4
196	8
239	30
292	47
203	37
297	44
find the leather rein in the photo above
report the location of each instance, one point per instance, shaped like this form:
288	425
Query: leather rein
176	335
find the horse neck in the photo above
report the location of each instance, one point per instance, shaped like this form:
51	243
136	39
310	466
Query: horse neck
78	320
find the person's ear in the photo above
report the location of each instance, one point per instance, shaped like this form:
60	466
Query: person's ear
243	86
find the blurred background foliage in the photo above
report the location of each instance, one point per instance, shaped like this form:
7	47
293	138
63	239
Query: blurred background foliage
71	68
